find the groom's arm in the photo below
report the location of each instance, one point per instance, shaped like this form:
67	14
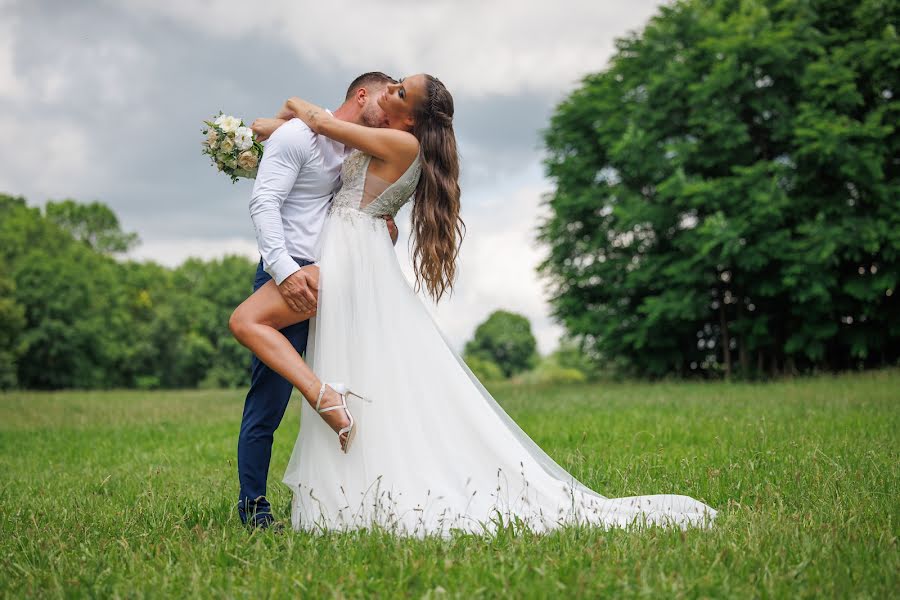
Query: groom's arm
285	154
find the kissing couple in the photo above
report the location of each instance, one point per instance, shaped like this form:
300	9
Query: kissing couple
422	447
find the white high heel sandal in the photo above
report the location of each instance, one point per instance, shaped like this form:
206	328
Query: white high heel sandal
344	393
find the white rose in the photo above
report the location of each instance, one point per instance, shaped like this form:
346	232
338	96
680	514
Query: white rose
212	138
243	137
247	161
227	145
227	123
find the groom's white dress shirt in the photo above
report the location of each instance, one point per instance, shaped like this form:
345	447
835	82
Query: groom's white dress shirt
298	174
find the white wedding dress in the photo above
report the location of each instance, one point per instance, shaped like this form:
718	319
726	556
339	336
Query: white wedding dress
434	452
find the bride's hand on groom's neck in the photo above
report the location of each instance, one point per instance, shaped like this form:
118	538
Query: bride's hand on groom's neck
285	114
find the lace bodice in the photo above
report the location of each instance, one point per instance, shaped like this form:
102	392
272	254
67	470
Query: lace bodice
353	196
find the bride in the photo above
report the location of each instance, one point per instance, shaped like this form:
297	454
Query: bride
430	451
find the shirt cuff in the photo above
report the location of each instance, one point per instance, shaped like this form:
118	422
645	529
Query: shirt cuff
282	268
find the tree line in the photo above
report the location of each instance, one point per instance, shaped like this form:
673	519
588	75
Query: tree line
726	197
74	314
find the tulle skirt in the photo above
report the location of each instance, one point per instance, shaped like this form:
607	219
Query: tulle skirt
434	452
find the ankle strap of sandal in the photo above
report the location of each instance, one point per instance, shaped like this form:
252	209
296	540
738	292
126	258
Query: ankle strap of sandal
321	395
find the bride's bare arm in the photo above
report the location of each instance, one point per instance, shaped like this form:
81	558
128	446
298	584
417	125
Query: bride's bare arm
390	145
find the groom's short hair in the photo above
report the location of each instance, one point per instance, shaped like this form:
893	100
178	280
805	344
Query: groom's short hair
367	79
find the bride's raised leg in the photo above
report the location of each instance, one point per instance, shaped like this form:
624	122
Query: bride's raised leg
256	324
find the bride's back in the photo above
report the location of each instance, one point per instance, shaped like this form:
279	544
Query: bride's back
364	191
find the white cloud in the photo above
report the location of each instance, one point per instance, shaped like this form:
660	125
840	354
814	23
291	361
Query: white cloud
11	86
477	47
173	252
50	159
111	69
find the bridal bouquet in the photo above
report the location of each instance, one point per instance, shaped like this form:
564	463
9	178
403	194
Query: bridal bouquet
232	146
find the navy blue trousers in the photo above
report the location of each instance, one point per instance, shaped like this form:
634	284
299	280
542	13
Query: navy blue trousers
263	410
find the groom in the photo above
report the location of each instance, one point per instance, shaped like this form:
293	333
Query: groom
297	177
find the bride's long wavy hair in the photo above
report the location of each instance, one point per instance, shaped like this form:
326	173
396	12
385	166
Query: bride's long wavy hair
437	227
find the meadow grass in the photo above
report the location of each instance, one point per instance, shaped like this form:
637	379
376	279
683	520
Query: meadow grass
133	494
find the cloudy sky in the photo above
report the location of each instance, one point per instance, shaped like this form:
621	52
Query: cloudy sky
104	101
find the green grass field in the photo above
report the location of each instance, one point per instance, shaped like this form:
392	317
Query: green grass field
133	494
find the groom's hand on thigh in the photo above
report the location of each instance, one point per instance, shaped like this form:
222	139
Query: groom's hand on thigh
300	291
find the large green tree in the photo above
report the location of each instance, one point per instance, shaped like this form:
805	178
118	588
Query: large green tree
726	193
504	339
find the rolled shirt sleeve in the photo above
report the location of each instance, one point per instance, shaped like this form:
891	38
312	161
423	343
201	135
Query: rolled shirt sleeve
287	150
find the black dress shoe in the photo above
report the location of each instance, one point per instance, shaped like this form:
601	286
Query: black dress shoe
265	521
